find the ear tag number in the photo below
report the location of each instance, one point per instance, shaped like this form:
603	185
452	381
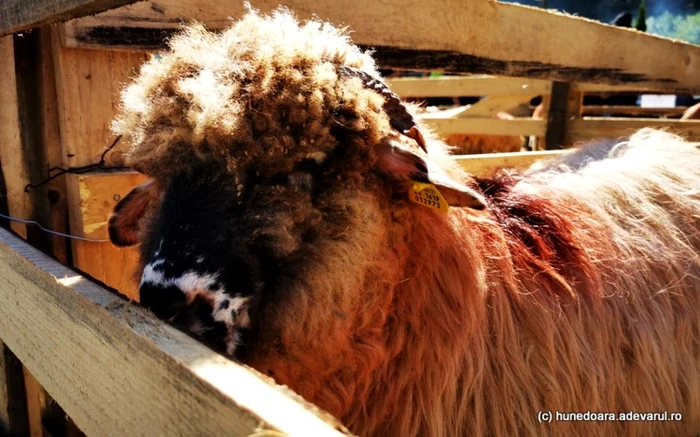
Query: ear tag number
428	195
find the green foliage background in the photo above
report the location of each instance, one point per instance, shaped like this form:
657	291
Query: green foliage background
686	28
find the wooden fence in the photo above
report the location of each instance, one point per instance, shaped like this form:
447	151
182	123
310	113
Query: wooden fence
112	367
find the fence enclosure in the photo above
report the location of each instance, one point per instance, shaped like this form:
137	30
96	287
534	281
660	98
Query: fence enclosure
113	367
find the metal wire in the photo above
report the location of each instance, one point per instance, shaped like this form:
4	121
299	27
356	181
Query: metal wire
60	234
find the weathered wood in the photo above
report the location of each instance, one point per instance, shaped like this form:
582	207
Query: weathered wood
557	116
88	84
633	110
587	128
486	126
492	105
416	34
54	194
456	86
98	194
14	157
35	404
118	371
14	421
18	15
486	164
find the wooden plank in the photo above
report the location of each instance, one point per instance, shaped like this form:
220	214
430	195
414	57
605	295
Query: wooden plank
557	116
597	88
98	194
13	155
56	213
485	165
491	105
88	84
427	35
35	404
468	86
588	128
18	15
486	126
118	371
633	110
14	421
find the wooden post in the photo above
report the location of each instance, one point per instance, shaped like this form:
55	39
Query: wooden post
88	83
13	402
557	116
574	111
13	157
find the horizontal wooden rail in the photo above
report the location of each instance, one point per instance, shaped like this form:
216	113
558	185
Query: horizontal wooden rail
587	128
18	15
455	86
117	371
476	36
633	110
486	126
486	164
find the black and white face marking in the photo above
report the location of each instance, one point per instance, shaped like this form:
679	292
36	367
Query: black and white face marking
200	290
194	276
218	250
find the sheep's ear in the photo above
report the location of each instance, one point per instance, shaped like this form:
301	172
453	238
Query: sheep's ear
125	221
404	166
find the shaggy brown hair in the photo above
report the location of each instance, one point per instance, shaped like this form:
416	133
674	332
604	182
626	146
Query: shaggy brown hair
575	290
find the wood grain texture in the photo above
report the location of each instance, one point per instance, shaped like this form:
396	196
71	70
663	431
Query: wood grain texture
587	128
98	194
486	126
633	110
13	156
486	164
35	403
456	86
446	35
88	84
55	192
18	15
557	116
14	420
118	371
492	105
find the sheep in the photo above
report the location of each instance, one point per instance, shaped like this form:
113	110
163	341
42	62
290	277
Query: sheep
299	219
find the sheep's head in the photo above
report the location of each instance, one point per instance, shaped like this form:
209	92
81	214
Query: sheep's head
269	146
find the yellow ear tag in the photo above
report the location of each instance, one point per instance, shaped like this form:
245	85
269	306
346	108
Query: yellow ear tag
428	195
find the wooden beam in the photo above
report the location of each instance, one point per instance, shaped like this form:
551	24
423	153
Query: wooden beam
432	35
633	110
588	128
55	214
98	194
117	370
468	86
557	116
35	404
88	84
597	88
486	164
14	157
486	126
492	105
18	15
14	420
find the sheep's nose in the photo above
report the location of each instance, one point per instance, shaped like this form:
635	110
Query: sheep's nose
166	289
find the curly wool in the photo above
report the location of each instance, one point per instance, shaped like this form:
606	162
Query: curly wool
265	88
